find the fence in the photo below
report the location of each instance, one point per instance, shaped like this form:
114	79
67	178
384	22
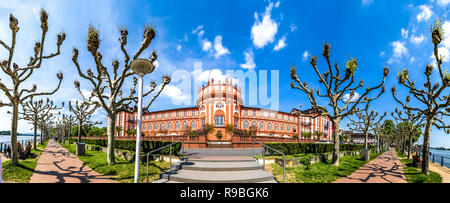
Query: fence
439	159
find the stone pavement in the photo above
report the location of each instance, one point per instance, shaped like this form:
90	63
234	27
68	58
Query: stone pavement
386	168
57	165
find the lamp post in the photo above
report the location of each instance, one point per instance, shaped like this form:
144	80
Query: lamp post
141	67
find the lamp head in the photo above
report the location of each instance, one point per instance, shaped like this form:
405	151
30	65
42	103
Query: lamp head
142	66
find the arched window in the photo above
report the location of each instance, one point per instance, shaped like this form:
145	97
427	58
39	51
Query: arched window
254	124
156	126
282	127
276	126
184	125
294	128
269	126
170	126
149	126
143	127
163	126
245	125
193	125
261	126
177	126
289	128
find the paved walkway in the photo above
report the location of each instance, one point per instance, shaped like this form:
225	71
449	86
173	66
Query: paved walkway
442	170
57	165
384	169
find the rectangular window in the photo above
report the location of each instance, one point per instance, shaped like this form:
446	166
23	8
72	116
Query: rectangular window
219	121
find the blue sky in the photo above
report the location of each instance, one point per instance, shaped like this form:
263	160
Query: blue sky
236	35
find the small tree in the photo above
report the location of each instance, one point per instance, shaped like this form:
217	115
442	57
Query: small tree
83	112
18	75
118	129
365	122
433	97
413	125
219	134
33	111
336	87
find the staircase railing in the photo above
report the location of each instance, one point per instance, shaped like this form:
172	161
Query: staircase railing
170	154
264	157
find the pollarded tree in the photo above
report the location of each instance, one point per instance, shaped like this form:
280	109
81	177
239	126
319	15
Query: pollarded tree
413	123
83	112
365	122
33	111
434	97
336	87
69	121
107	88
18	75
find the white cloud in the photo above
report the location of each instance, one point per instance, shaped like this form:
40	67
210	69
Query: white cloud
412	59
382	54
347	97
175	93
263	32
444	53
281	44
404	33
443	2
293	27
206	45
305	55
216	74
425	13
399	49
277	4
249	60
365	3
220	49
196	30
417	39
179	47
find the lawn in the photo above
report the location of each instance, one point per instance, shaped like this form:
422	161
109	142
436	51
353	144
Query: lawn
22	172
320	172
414	174
122	171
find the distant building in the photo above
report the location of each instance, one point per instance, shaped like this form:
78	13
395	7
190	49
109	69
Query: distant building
220	104
358	137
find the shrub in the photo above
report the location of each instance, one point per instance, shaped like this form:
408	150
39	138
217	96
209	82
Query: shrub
130	145
316	148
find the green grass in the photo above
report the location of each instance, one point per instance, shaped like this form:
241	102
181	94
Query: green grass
122	171
22	172
320	172
414	174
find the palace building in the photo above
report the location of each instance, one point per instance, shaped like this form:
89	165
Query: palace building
220	105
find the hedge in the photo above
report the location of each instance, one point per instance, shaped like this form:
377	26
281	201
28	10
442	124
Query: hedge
305	148
146	145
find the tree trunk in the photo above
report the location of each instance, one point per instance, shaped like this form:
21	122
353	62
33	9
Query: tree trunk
14	149
335	158
366	137
79	131
35	134
426	146
110	131
409	146
70	132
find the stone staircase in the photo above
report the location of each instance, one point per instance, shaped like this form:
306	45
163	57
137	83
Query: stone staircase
217	170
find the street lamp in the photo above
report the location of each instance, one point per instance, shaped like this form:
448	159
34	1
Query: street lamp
141	67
